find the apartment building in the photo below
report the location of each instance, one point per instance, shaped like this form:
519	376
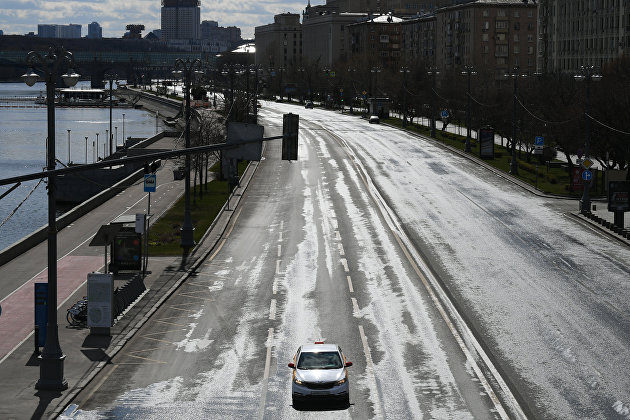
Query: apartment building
326	36
378	40
493	34
573	33
279	44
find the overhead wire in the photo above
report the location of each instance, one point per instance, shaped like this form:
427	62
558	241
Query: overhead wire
22	202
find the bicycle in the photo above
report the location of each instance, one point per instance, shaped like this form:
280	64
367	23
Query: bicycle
77	313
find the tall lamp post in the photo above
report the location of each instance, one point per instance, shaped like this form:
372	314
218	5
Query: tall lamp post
433	72
515	76
587	74
468	71
111	77
404	71
51	376
187	69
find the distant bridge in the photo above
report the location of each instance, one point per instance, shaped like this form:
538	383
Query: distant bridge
128	65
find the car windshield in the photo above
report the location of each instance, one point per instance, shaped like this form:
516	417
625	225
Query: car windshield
321	360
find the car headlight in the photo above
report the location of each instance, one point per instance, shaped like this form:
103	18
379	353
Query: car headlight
341	382
296	380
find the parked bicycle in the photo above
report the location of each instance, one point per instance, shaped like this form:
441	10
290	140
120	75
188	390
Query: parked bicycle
77	313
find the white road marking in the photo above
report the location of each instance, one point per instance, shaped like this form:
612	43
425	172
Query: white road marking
337	235
341	251
279	251
344	262
355	307
274	286
278	266
272	310
350	284
263	396
370	375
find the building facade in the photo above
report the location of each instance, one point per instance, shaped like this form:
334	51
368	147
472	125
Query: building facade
279	44
418	40
180	19
586	32
59	31
95	31
495	35
377	40
327	36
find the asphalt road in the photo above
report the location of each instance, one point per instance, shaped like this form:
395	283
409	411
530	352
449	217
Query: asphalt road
311	255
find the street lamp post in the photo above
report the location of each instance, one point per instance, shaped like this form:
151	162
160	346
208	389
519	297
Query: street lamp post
111	77
86	144
186	69
514	75
69	147
404	71
51	369
433	72
123	133
468	71
95	155
587	74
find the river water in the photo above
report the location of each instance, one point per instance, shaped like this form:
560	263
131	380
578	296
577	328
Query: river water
23	133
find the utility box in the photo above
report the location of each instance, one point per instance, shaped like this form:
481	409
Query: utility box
100	295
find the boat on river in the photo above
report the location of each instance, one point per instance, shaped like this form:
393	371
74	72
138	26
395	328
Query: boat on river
87	98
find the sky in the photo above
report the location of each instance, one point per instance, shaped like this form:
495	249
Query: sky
18	17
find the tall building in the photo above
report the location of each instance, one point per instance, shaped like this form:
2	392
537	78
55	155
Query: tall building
279	44
59	31
577	33
95	31
230	36
181	19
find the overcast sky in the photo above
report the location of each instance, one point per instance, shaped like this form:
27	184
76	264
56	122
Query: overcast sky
18	17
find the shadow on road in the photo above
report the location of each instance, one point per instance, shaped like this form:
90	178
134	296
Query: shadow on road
322	406
45	398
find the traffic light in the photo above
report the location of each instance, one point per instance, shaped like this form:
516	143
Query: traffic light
290	125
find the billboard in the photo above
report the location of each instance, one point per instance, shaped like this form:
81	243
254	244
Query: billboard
619	196
486	143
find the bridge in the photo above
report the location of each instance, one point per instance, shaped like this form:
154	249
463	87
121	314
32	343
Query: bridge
132	66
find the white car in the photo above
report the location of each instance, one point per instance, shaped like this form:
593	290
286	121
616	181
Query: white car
320	372
374	119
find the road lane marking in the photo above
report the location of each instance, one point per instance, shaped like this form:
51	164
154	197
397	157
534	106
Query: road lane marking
274	286
337	235
341	251
263	396
350	284
272	310
355	307
278	266
344	262
279	251
378	405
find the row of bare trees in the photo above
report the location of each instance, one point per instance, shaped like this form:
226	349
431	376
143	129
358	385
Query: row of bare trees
551	105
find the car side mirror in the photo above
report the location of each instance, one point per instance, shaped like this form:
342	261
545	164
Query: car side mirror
292	365
348	364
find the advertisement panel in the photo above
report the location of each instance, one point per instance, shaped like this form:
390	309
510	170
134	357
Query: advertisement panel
100	294
486	143
619	196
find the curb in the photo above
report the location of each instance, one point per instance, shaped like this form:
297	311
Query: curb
66	402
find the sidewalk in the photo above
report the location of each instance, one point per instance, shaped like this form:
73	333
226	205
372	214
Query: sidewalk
85	354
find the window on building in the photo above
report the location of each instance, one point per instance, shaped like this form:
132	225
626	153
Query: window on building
484	13
530	26
501	24
384	39
515	37
517	49
530	38
501	61
501	13
484	37
486	26
517	13
530	13
517	26
530	50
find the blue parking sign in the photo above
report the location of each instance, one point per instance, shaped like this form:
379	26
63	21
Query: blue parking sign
539	141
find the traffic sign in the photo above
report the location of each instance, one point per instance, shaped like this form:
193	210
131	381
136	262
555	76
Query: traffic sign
587	163
539	145
587	175
444	113
150	182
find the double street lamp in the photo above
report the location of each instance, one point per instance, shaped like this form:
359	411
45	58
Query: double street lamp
515	75
51	376
404	71
433	72
587	74
468	71
187	69
111	77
